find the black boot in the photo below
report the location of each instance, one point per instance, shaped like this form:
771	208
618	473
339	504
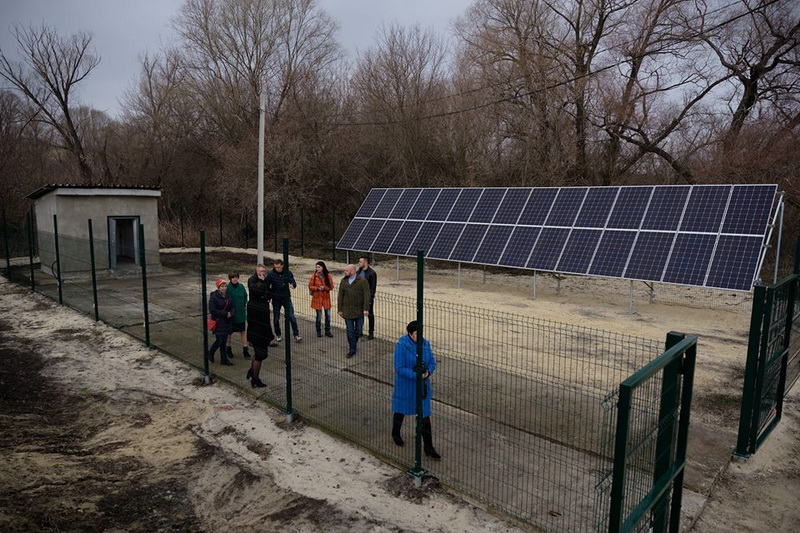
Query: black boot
230	352
245	353
427	440
397	423
223	358
257	383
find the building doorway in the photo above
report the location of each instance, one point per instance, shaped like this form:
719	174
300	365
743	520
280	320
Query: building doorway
123	241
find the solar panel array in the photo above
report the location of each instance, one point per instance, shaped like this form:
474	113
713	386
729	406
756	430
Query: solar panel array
701	235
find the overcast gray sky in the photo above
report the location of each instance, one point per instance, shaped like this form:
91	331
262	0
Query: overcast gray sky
124	29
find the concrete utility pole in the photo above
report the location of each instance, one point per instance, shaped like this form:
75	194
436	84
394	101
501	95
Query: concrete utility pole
261	119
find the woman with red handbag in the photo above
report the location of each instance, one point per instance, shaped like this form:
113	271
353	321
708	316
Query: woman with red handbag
221	308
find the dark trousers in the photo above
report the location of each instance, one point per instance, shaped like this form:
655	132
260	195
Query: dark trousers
371	319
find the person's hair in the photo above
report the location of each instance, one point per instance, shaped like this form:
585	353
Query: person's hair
325	274
411	327
278	262
364	257
233	275
260	265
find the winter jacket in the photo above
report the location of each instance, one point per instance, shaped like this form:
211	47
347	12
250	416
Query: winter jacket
239	295
353	299
277	285
372	278
404	397
258	289
218	307
320	291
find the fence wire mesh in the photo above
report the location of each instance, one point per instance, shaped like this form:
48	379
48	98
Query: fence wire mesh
524	410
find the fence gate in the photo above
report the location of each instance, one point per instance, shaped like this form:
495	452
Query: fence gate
773	363
651	439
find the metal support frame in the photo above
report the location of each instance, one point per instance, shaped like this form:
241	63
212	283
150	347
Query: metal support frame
417	472
94	274
289	411
146	308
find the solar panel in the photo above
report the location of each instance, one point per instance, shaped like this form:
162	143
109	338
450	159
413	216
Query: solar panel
487	205
444	204
566	207
597	207
468	243
666	208
705	235
405	203
629	208
579	251
423	204
649	256
442	247
705	208
402	243
548	248
493	245
387	203
612	254
386	236
512	205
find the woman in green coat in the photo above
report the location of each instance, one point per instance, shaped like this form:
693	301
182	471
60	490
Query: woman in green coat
239	295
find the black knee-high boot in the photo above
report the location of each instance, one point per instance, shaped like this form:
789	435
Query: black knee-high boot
427	440
397	423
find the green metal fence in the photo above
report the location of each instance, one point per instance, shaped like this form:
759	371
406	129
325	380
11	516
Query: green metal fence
773	360
651	441
525	411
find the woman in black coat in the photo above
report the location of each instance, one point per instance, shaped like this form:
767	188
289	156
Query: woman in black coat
259	331
221	309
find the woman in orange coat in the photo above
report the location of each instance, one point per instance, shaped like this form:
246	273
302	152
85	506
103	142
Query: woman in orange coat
319	287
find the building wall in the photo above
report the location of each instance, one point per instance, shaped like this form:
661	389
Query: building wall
74	211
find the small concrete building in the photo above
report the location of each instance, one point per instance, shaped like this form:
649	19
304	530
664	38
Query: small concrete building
116	213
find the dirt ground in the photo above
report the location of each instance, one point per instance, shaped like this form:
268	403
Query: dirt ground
102	434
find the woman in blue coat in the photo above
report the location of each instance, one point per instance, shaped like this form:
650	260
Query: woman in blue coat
404	398
221	309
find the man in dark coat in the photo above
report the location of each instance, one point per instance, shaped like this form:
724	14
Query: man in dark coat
279	283
368	273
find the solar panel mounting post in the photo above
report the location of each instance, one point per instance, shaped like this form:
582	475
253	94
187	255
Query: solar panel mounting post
397	269
778	244
534	284
458	284
630	297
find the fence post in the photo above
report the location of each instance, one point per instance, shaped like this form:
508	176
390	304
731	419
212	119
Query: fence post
8	250
667	426
94	273
620	454
302	233
58	261
417	472
30	249
275	223
750	375
287	333
204	303
143	261
183	245
333	233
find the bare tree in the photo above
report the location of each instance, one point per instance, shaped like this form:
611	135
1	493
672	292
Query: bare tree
396	85
758	44
51	68
507	44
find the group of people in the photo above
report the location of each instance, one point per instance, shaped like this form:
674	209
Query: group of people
236	310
